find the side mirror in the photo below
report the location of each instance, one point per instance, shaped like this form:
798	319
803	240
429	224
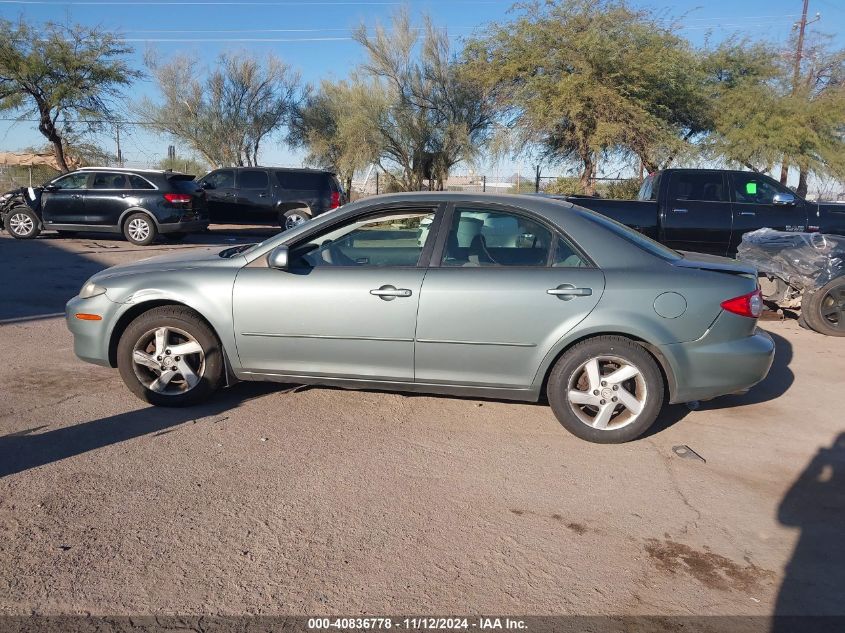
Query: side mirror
51	188
206	185
783	198
278	258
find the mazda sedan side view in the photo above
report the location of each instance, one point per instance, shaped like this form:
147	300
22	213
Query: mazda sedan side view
510	297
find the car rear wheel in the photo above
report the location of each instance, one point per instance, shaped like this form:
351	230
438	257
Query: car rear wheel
293	218
824	309
22	223
139	229
170	357
606	389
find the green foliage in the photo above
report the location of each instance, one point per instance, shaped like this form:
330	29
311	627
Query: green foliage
626	189
584	78
223	113
410	108
61	75
186	165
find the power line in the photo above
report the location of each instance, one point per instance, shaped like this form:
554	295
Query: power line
276	3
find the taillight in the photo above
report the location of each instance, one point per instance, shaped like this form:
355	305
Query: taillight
335	200
750	305
178	198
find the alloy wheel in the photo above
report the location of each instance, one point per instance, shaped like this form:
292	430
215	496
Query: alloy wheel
607	392
293	220
832	307
138	229
21	224
168	361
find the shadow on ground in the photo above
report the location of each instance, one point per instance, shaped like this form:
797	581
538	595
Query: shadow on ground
31	448
814	579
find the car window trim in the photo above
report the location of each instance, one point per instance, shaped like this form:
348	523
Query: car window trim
436	207
446	225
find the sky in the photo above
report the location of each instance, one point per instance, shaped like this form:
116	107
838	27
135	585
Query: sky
314	36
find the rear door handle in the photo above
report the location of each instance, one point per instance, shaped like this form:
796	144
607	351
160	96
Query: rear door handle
389	293
263	195
679	210
566	292
748	213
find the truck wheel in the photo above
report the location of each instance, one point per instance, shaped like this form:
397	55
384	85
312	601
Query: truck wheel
139	229
22	223
169	357
293	218
606	389
824	309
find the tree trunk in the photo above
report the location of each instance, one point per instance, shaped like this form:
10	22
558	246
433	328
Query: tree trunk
46	127
802	183
784	171
586	182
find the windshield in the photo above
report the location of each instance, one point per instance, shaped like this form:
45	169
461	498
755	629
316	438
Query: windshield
635	237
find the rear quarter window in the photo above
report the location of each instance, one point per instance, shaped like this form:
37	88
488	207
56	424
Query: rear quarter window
184	186
634	237
302	181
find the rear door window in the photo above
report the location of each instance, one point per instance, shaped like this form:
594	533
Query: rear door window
108	181
698	186
253	179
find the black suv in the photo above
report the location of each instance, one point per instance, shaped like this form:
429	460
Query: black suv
139	203
270	195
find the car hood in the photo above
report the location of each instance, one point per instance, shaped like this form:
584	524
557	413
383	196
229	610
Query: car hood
181	260
703	261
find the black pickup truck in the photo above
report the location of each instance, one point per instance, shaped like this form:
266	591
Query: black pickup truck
708	210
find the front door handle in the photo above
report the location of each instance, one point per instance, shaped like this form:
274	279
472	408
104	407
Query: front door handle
389	293
680	210
263	195
566	292
748	213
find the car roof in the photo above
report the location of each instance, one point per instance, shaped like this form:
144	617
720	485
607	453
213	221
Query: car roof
130	170
295	170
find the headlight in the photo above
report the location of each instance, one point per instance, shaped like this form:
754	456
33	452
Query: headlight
91	290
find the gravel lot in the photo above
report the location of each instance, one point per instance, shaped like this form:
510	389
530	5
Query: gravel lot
277	500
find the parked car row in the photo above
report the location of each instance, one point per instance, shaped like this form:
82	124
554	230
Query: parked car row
143	204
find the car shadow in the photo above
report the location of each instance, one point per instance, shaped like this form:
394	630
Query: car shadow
31	447
814	578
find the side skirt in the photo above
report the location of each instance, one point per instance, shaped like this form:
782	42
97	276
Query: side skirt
527	394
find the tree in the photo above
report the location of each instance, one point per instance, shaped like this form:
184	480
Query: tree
227	114
760	119
427	112
67	77
338	126
584	78
185	164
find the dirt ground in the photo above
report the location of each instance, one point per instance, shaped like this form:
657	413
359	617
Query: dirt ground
276	500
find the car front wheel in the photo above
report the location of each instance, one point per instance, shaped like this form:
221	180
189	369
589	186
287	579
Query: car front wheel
170	357
22	223
606	389
140	229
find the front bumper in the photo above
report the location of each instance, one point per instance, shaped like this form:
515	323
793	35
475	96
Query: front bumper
91	338
714	366
192	226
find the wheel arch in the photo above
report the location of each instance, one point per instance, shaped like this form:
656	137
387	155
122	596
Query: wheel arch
140	308
131	211
290	205
666	371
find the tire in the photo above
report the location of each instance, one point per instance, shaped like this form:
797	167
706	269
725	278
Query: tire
174	237
293	218
22	223
178	328
606	422
824	309
140	229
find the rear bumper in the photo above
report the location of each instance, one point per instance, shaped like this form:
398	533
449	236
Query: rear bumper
194	226
712	366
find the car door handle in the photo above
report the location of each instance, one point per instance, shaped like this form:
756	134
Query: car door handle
748	213
679	210
76	195
389	293
263	195
566	292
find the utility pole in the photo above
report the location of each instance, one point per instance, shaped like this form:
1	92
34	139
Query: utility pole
796	77
119	154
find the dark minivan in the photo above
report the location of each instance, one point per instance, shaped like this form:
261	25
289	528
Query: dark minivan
140	203
279	196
